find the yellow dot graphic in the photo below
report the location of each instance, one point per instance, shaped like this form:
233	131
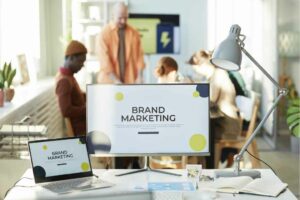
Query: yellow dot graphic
197	142
196	94
45	147
85	166
119	96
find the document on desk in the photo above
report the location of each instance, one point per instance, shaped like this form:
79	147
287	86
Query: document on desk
245	184
170	186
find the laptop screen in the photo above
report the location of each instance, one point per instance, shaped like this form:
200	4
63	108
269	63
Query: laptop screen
59	159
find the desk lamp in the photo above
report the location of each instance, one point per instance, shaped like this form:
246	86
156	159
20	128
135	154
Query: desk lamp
228	56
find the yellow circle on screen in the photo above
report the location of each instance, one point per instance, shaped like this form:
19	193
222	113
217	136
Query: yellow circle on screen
197	142
119	96
85	166
196	94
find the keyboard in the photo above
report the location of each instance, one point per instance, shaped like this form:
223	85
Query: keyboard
66	186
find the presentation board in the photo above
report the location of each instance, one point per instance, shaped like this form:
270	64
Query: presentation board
159	33
148	119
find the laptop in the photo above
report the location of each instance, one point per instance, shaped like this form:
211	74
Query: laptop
63	165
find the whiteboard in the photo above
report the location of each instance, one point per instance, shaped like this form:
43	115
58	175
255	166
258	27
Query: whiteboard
148	119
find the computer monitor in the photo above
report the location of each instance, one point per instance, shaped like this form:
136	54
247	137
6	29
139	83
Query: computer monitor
148	119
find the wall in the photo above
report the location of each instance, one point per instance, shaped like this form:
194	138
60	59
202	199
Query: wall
19	33
269	62
193	28
289	19
51	32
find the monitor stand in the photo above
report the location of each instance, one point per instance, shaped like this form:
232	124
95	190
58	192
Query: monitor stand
148	168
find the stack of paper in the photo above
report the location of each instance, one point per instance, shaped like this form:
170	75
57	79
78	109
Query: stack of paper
23	130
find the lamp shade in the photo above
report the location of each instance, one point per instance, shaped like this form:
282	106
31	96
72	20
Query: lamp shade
228	55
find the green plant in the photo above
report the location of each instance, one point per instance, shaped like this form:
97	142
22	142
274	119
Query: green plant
1	80
8	74
293	116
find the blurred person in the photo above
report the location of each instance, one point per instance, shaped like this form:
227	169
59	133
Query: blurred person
121	55
225	120
121	59
239	83
222	95
71	99
167	71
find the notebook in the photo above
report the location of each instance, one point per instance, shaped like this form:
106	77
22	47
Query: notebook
245	184
63	165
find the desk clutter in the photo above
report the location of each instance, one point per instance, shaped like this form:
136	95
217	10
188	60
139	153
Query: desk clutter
14	138
158	186
62	167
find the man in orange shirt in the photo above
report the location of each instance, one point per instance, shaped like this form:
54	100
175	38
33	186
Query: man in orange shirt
121	54
71	99
121	59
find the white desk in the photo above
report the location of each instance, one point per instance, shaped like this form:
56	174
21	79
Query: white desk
132	187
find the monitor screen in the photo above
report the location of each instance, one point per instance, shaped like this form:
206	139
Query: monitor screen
152	119
59	159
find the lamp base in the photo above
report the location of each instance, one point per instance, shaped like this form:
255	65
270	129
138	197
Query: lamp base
229	173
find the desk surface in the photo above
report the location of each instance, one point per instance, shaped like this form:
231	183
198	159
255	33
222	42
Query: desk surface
133	187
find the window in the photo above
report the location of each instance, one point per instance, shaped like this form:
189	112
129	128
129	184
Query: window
19	25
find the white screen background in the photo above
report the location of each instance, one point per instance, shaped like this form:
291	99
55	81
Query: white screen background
40	152
192	117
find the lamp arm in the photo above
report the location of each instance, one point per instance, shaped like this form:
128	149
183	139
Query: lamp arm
282	92
239	156
252	136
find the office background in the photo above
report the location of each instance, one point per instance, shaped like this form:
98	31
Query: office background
40	28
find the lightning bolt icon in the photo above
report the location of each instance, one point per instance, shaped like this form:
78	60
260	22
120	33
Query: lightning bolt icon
165	40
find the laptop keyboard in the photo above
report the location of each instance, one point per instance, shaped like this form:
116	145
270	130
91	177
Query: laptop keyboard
68	185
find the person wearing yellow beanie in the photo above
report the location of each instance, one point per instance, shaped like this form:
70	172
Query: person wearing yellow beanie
71	99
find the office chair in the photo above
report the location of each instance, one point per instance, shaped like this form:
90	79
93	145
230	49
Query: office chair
168	162
248	109
70	131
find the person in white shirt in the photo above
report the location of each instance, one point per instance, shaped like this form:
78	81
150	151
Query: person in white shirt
222	96
167	72
225	120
